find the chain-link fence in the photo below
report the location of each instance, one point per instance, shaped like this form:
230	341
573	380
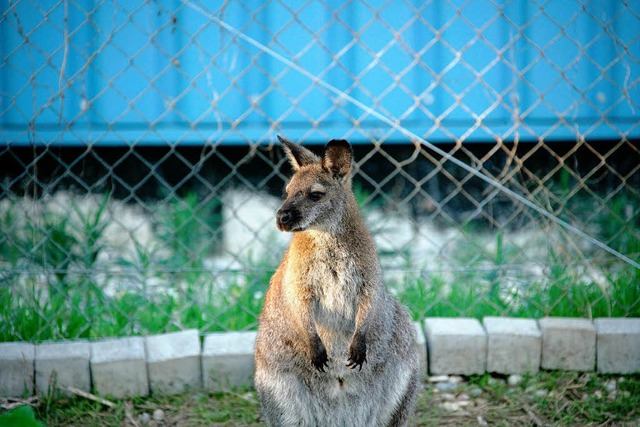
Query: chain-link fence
497	155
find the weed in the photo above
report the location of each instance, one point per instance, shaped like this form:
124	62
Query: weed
52	286
545	398
89	232
50	245
186	227
22	416
9	244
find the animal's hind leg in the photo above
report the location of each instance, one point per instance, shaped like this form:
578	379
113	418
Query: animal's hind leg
406	406
285	402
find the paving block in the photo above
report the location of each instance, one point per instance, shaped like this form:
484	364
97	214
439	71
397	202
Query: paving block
514	346
618	345
568	344
119	367
227	360
62	364
456	346
16	369
422	347
173	362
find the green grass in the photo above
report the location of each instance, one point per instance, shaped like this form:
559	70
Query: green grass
563	296
83	310
54	285
575	398
546	398
189	409
565	289
190	231
22	416
50	290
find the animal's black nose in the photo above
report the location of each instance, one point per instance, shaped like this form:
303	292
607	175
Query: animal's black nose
284	217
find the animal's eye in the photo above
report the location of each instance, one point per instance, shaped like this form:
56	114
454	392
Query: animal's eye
316	195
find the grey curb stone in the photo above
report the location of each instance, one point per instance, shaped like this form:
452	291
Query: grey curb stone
618	345
119	367
62	364
514	346
16	369
173	362
227	360
568	344
456	346
170	363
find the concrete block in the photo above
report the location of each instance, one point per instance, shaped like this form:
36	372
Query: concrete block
422	347
62	364
456	346
568	344
16	369
618	345
513	345
119	367
227	360
173	362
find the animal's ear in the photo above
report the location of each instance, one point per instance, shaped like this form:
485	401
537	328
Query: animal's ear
337	158
297	154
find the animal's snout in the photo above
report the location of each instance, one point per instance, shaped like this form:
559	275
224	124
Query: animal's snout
285	216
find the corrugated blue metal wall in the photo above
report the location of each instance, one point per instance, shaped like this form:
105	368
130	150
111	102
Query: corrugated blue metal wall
141	72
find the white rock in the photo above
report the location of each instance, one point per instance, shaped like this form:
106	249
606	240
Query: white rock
444	387
611	385
438	378
475	392
514	379
455	379
158	415
450	406
541	393
249	225
448	396
145	418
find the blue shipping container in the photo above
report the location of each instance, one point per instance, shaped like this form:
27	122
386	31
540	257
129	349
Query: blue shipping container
180	72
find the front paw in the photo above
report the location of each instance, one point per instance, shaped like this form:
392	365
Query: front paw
357	352
319	356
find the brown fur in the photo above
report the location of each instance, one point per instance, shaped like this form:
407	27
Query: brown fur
333	347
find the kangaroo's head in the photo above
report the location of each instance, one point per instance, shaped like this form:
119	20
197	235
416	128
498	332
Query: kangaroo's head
318	193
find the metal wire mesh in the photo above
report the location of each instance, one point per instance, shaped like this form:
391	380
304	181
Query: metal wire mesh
497	155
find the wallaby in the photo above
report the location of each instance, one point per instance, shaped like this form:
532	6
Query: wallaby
334	348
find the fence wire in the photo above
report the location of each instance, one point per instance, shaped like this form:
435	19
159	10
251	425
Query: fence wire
496	143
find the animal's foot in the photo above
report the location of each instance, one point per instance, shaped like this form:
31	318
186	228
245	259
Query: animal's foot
357	352
319	356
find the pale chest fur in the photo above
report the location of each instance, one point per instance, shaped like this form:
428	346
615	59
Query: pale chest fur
333	279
